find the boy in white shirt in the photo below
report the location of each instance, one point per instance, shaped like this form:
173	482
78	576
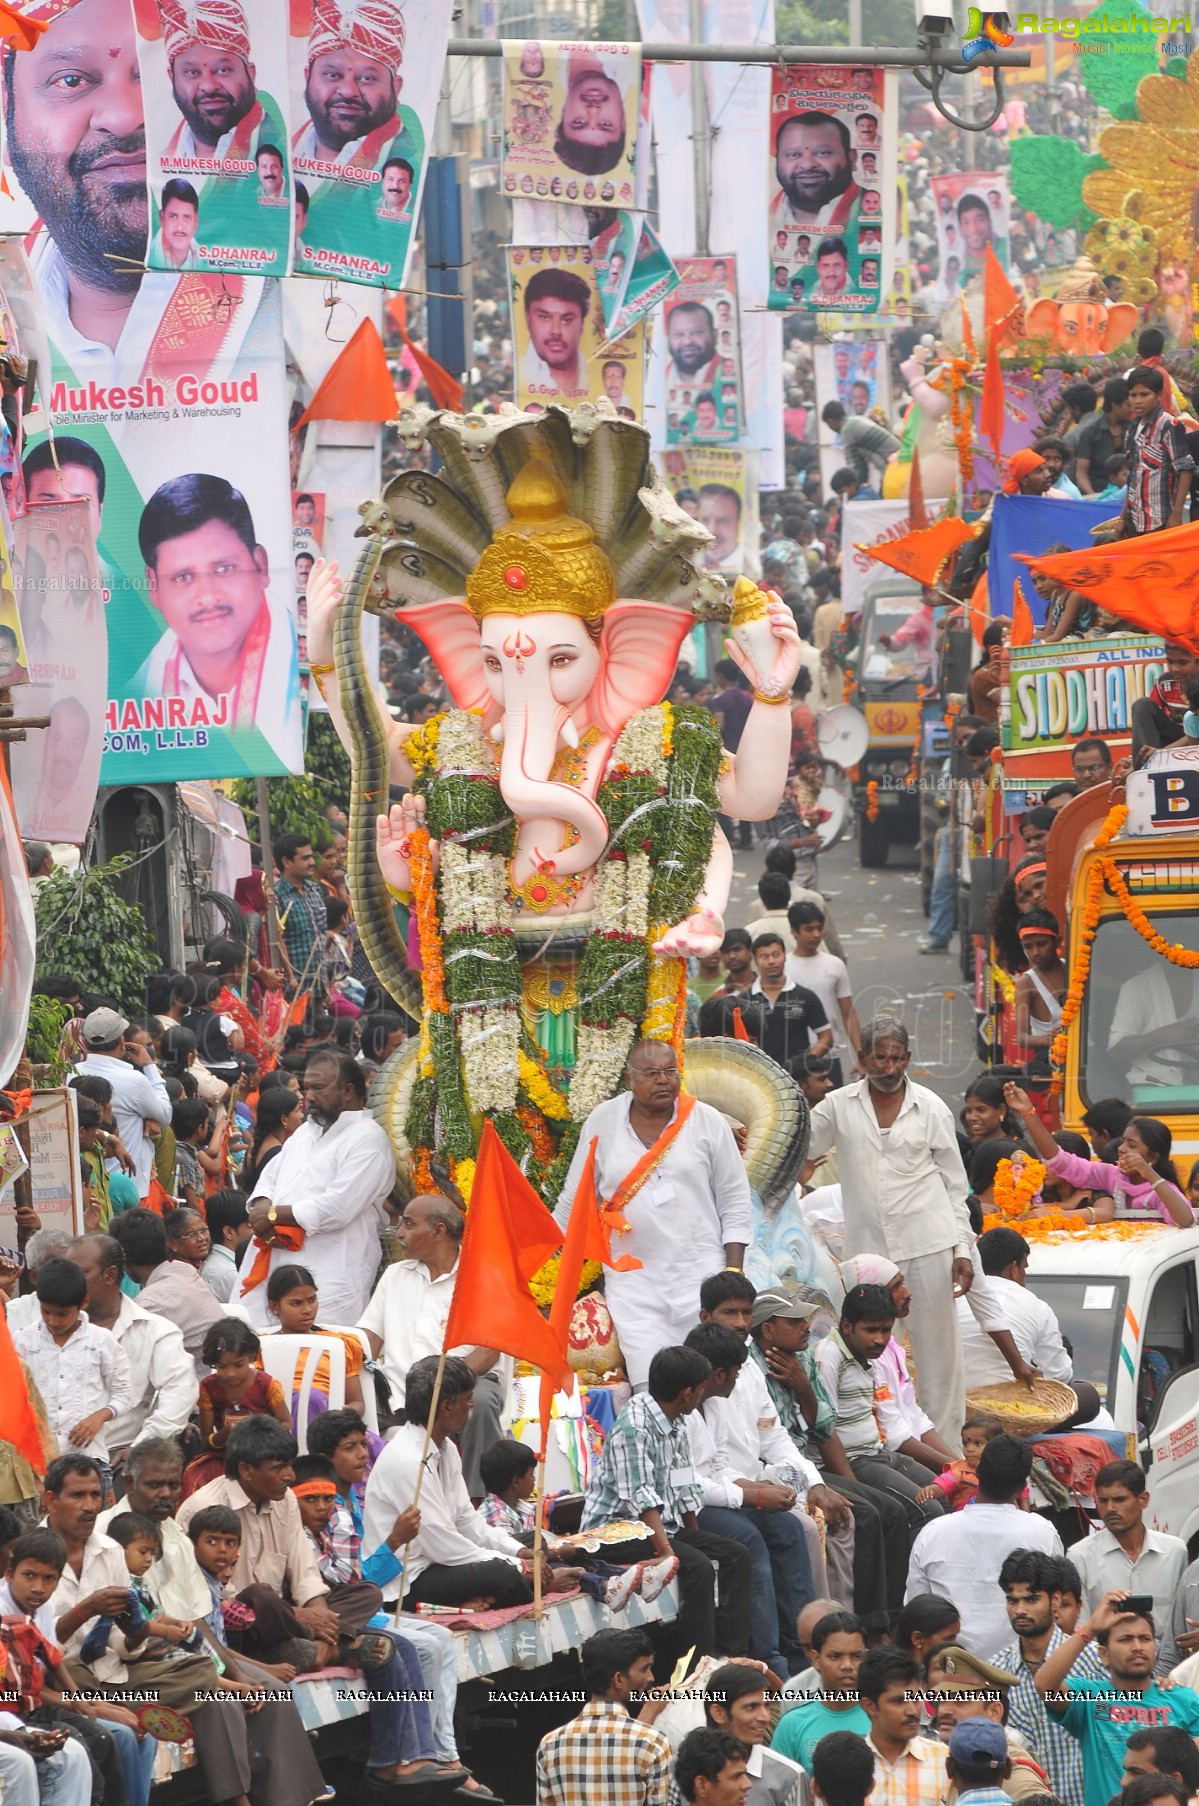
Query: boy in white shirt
822	972
81	1372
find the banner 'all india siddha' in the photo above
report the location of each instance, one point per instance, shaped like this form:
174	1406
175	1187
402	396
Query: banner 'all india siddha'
365	78
170	412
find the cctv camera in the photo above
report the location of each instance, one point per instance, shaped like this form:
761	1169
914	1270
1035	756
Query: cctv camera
934	19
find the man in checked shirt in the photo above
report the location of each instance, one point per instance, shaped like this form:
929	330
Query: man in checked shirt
603	1755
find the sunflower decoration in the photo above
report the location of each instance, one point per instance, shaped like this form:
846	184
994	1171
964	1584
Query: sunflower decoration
1153	164
1125	248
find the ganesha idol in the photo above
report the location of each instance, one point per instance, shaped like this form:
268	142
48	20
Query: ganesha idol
556	856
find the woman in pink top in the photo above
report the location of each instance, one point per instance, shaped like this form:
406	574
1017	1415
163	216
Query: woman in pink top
1143	1180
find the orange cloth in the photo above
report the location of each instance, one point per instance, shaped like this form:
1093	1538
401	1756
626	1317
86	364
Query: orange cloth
18	1419
1150	581
1022	621
924	553
358	384
509	1236
1020	464
292	1238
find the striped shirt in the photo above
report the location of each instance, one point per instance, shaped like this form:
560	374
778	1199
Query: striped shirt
303	920
1052	1746
605	1756
916	1778
1157	448
850	1388
645	1466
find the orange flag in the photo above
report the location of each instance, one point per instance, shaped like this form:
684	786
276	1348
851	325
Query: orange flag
1151	581
1000	305
924	554
509	1235
445	389
18	1420
917	512
980	607
1000	300
358	384
20	32
1022	621
584	1241
740	1032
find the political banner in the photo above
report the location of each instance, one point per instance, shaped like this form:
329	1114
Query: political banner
857	373
669	95
214	77
307	545
359	149
973	209
704	390
571	115
648	279
559	343
831	188
14	656
56	770
719	487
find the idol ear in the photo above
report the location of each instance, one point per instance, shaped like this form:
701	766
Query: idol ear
451	632
1122	319
639	648
1041	320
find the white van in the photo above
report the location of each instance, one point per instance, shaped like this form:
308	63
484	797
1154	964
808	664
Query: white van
1128	1305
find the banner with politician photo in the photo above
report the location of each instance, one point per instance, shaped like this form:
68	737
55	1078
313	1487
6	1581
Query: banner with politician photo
719	488
14	657
365	76
56	769
649	279
559	342
831	188
856	373
973	213
571	115
214	77
704	393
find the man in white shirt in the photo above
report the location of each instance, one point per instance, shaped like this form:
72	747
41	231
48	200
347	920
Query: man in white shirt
1126	1555
959	1556
162	1373
138	1093
1004	1255
406	1318
751	1503
689	1215
153	1483
904	1189
335	1173
454	1556
826	976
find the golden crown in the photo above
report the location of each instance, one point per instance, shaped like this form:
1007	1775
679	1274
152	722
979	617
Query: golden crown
543	559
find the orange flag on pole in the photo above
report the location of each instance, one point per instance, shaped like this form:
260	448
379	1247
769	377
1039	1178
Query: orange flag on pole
1000	306
509	1235
445	389
1151	581
18	1420
584	1241
1022	622
358	385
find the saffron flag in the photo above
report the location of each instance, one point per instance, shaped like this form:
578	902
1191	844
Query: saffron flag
1022	622
924	554
18	1420
509	1235
1000	306
1150	582
445	389
358	385
584	1241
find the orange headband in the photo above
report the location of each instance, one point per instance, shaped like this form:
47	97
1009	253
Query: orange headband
315	1489
1027	933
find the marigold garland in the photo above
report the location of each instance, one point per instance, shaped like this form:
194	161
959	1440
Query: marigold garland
1014	1192
1080	971
540	1092
1049	1224
424	898
464	1178
872	800
1135	916
544	1282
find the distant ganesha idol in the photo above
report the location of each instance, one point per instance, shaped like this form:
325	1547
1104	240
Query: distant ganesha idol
557	844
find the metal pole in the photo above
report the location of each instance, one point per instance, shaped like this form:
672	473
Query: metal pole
700	134
882	57
855	22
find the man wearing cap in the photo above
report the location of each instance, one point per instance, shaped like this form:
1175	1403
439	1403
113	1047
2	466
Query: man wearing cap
979	1766
207	43
966	1688
138	1093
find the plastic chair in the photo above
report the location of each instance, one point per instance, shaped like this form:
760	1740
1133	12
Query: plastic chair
280	1355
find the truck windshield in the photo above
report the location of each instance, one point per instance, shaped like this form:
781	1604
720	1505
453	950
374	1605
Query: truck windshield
1090	1312
1139	1037
885	615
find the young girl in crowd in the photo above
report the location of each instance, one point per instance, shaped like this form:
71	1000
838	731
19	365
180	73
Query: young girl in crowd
291	1298
1143	1181
237	1387
959	1482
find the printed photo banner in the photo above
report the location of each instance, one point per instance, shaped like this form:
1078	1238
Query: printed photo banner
365	76
14	657
214	77
559	341
831	189
635	274
56	770
719	488
571	118
307	545
857	373
973	210
704	388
